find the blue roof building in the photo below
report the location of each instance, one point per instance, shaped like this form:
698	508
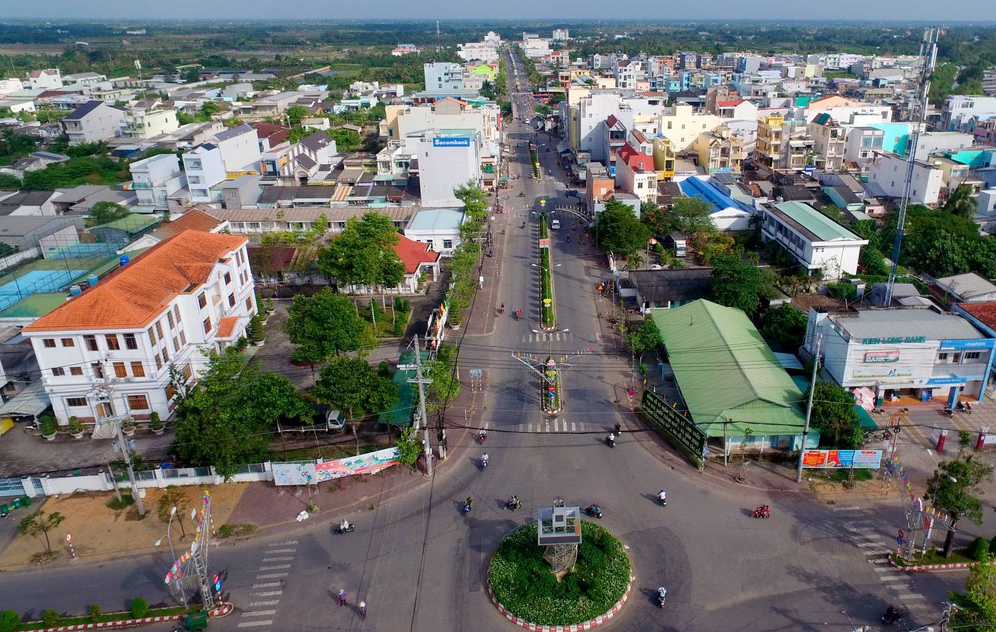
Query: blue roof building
727	213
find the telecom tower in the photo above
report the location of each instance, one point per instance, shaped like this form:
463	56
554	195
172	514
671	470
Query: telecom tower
918	115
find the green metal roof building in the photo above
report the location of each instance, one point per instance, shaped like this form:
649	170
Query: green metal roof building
725	371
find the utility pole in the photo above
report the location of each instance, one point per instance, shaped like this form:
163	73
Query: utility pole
421	382
809	405
126	453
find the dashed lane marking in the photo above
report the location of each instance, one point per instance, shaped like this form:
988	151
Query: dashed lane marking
272	575
259	613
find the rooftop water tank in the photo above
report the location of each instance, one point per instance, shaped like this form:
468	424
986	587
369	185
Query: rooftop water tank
125	259
75	290
92	280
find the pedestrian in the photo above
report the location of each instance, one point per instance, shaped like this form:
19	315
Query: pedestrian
342	597
363	609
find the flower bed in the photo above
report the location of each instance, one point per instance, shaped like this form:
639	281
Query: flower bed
523	583
546	280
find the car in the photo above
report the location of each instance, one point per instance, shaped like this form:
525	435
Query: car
555	224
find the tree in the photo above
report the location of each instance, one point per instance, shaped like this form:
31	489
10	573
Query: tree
953	488
9	621
409	447
354	385
691	215
442	371
619	231
39	523
296	114
173	497
346	140
961	204
9	182
192	75
736	283
785	324
325	325
978	603
226	420
363	254
106	212
835	417
645	337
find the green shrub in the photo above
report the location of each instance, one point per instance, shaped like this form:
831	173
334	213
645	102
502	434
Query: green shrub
139	608
9	621
978	548
95	613
50	618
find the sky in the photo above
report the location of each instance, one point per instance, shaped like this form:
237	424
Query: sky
652	10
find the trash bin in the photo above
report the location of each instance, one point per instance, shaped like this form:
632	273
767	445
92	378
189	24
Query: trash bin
25	501
4	511
196	620
16	503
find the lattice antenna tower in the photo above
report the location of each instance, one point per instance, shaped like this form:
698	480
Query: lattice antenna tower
918	115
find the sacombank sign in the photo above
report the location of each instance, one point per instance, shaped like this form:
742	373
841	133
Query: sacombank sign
451	142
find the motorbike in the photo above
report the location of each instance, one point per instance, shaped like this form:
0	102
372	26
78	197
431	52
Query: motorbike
513	504
484	464
349	529
518	314
964	407
481	436
763	511
663	498
610	441
948	412
892	615
661	596
593	510
466	508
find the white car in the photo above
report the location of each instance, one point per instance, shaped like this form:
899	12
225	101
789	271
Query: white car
555	224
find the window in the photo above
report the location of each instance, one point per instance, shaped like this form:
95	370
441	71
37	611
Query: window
75	370
183	339
202	300
159	362
942	356
972	355
228	277
58	371
138	402
120	370
76	402
231	300
159	328
176	313
137	369
169	317
187	373
207	324
98	370
68	342
166	354
49	343
152	336
249	304
170	391
130	341
112	342
91	343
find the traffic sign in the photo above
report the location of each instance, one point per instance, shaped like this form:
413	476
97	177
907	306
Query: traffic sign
901	534
69	537
899	541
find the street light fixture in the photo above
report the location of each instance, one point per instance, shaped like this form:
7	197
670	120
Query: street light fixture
172	552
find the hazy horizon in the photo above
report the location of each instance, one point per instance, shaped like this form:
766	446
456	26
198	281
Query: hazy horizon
524	10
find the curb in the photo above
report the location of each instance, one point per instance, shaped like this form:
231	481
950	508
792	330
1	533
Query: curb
917	568
577	627
225	609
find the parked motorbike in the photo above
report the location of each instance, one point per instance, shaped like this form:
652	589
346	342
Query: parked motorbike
593	510
948	412
964	407
763	511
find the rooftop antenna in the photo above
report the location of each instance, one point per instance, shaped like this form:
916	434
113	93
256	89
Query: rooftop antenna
918	115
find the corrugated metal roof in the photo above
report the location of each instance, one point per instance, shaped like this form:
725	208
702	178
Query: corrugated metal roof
817	224
725	371
906	323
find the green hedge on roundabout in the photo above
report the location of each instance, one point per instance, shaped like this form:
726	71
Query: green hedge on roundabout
523	582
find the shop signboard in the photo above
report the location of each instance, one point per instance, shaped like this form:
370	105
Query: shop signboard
892	355
882	372
675	427
833	459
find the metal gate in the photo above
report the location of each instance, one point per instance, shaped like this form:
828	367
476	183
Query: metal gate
11	487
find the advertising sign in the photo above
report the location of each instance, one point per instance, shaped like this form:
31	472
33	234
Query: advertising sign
451	142
310	472
833	459
892	355
882	372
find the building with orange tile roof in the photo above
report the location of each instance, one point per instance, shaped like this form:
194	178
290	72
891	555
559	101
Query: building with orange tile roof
419	259
111	350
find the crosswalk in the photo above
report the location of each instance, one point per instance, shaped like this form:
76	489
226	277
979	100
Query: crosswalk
562	424
268	585
557	336
876	546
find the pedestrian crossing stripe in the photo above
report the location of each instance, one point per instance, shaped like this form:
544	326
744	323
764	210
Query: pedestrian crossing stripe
545	337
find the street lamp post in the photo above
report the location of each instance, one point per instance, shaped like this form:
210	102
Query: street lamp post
172	552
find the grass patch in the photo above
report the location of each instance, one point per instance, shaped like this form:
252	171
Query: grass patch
935	556
843	475
236	530
389	322
127	500
524	583
107	618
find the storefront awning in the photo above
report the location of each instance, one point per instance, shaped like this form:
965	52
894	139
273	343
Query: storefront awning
30	402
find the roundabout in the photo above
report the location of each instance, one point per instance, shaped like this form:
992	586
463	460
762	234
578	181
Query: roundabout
574	585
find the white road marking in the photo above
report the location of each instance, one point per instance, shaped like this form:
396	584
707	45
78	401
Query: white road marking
272	575
254	624
911	597
269	593
266	585
257	604
286	542
259	613
274	568
272	551
892	578
278	559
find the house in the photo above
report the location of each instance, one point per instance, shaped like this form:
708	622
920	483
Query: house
828	142
24	232
154	179
119	348
93	122
887	172
146	122
419	261
439	227
635	173
47	79
194	219
728	378
907	351
308	155
667	289
726	213
814	240
35	161
719	151
966	288
844	198
229	154
270	135
29	203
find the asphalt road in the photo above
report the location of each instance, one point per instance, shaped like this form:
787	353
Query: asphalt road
421	565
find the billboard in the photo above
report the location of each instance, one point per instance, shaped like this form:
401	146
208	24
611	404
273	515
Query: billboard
892	355
310	473
833	459
451	142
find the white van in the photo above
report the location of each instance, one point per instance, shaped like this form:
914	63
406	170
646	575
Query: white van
555	224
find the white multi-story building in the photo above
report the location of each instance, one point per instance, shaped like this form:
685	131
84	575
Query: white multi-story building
486	52
445	162
888	172
92	122
681	125
47	79
146	123
228	154
155	179
811	238
443	76
560	35
118	348
962	113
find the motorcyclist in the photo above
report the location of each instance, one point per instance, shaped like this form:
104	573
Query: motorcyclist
611	439
468	503
661	595
482	435
344	525
662	496
513	502
484	460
